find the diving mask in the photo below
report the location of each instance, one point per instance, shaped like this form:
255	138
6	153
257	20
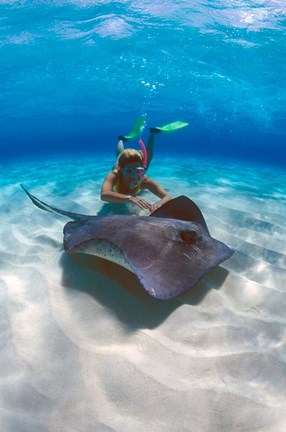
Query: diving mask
133	172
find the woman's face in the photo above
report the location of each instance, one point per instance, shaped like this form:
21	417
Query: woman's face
133	174
133	170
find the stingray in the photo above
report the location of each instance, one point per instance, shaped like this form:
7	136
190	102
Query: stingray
169	251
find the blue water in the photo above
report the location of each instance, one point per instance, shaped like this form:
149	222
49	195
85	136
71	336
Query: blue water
75	74
82	344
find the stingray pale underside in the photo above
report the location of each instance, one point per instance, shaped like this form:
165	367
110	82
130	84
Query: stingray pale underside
169	251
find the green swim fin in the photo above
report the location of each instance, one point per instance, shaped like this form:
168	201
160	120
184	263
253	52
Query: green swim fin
136	131
171	127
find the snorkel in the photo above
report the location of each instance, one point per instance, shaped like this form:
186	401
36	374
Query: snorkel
144	151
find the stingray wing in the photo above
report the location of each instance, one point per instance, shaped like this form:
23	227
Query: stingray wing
167	266
182	208
178	267
168	256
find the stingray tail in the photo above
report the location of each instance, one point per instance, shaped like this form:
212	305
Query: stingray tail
44	206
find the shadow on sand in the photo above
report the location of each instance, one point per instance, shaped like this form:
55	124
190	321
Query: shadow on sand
120	291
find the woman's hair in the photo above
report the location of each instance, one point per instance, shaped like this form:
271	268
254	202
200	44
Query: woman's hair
128	156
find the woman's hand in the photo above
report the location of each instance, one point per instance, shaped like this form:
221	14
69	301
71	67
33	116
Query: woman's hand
156	205
140	202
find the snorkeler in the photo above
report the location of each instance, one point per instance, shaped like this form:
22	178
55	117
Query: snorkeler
128	178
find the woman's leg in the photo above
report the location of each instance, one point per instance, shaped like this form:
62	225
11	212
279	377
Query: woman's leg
120	147
150	145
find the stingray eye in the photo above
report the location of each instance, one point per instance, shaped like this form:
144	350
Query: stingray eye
189	236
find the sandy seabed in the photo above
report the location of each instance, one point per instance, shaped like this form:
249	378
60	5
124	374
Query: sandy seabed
84	348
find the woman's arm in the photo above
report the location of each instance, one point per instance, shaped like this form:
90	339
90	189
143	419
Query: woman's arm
107	194
157	190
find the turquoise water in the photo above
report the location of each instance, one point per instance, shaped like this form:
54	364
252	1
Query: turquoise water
76	73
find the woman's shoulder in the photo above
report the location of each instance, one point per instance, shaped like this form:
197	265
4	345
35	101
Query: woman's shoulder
147	180
112	175
151	184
